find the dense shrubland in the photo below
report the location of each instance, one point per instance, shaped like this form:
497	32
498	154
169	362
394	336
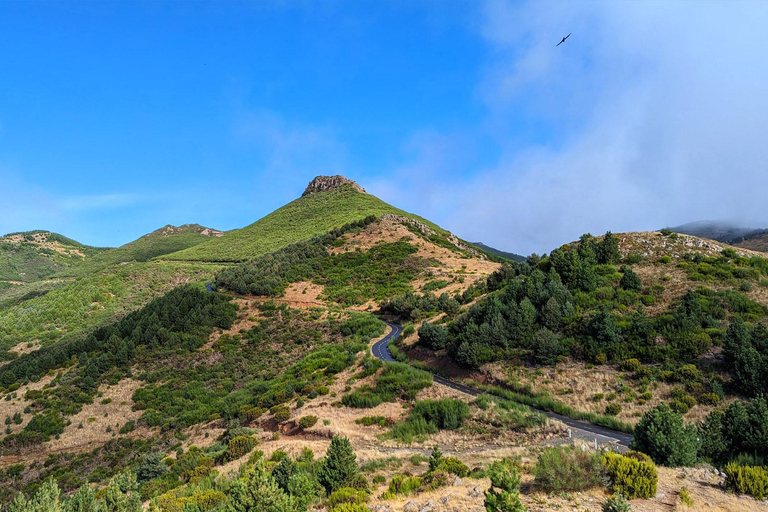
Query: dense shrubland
179	321
349	278
577	302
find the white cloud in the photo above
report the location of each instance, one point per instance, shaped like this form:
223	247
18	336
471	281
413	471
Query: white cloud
656	112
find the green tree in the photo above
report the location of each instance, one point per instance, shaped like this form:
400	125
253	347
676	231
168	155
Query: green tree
434	458
504	494
546	347
151	467
339	465
283	472
662	435
121	494
630	280
256	491
608	249
83	500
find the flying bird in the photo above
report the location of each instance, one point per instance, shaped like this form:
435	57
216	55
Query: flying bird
561	42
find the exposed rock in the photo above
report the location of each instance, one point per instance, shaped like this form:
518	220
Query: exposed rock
411	506
428	507
380	508
429	231
326	183
475	492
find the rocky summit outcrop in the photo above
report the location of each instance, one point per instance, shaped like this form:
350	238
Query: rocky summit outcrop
326	183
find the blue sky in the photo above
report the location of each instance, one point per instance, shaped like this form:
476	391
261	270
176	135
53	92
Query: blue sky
119	117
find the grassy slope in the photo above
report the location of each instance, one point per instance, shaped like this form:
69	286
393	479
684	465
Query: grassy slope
94	300
310	215
36	255
165	240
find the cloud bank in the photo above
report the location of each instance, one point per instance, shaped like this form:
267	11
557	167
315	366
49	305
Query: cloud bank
651	114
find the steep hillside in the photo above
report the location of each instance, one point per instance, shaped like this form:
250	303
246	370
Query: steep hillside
319	210
755	241
90	301
36	255
165	240
627	321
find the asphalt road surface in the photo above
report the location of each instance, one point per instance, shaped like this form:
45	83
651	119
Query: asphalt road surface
579	429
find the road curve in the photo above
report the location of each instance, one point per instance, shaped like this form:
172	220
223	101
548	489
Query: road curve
580	429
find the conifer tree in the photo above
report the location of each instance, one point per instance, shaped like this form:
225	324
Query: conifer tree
339	466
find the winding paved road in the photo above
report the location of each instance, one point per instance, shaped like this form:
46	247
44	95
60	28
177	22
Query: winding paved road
580	429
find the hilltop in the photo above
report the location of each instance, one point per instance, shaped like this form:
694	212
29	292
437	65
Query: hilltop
496	252
166	240
35	255
328	202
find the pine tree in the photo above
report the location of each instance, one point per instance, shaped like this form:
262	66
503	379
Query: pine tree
503	495
662	435
630	280
339	466
434	458
608	249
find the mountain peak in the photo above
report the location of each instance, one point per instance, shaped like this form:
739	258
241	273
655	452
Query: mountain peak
326	183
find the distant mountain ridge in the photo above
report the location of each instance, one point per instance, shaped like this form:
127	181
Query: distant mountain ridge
728	232
501	254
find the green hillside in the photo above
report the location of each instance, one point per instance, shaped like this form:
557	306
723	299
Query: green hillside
309	215
93	300
36	255
162	241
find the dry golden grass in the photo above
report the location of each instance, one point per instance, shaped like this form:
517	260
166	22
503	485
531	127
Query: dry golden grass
96	417
19	403
587	382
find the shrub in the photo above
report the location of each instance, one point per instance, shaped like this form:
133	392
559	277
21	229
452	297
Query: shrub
281	412
151	467
662	435
752	480
630	365
567	469
685	497
453	466
504	493
612	409
346	495
351	507
632	475
307	421
709	399
616	503
239	446
339	465
405	485
446	413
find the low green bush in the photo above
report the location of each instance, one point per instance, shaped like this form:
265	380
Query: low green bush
307	421
612	409
617	502
453	466
281	412
239	446
752	480
567	469
402	485
346	495
633	475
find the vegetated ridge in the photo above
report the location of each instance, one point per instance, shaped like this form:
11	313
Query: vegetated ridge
329	202
501	254
728	232
36	255
165	240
